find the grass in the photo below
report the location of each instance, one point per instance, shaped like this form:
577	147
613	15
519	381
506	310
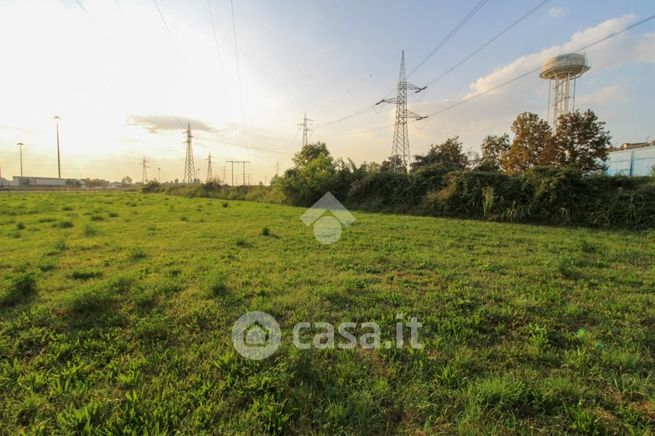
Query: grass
124	326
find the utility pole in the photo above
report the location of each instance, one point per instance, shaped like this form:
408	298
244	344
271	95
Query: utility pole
209	167
277	168
243	162
144	166
20	151
189	165
224	179
400	157
305	130
159	175
57	118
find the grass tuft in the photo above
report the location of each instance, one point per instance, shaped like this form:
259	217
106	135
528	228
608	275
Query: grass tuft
19	288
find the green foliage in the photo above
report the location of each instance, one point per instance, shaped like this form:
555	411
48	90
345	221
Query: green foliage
547	195
266	231
216	284
449	153
18	288
532	144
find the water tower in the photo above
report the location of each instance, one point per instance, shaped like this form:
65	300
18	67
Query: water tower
562	72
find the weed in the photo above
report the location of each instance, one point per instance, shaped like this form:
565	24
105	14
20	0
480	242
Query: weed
136	253
20	287
20	226
90	231
85	274
266	231
216	284
65	224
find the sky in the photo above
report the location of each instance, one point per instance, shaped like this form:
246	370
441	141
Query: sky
126	82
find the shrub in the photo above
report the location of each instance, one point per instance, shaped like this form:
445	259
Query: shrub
65	224
20	226
266	231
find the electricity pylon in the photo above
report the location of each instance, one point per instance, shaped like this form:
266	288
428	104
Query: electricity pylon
305	130
400	157
209	167
243	162
144	174
189	165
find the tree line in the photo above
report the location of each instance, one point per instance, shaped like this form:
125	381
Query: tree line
539	175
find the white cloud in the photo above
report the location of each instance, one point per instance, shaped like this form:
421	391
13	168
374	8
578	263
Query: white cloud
556	12
493	113
645	48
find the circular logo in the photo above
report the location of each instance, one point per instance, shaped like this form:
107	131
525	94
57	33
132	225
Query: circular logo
327	230
256	335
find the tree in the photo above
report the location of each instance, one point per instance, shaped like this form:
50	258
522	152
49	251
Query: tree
448	153
581	141
127	180
393	163
493	148
311	152
532	144
314	174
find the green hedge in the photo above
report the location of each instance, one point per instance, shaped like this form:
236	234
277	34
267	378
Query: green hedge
549	196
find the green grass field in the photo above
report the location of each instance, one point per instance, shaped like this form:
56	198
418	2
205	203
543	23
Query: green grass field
116	312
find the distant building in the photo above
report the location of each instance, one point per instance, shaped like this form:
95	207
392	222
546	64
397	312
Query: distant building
44	182
4	182
632	159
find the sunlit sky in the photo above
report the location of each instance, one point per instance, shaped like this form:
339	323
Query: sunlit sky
125	88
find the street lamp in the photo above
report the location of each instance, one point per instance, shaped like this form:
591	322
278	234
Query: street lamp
57	118
20	150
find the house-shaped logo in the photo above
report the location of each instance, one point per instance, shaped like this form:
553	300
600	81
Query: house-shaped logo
327	226
256	335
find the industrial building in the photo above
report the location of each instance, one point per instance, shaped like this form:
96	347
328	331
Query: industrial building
632	159
45	182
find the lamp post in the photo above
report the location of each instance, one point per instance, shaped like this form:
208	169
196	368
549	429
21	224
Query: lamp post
20	150
57	118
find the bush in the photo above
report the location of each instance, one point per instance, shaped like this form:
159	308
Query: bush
548	196
266	231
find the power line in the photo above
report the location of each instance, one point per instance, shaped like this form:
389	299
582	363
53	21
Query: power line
450	34
510	81
534	70
163	20
79	2
441	43
218	49
119	7
489	42
236	53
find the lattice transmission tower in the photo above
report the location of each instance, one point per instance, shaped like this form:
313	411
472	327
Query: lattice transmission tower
209	168
305	130
189	165
400	157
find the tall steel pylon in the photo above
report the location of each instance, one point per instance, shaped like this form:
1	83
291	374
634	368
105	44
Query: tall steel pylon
209	167
305	130
144	173
189	165
400	157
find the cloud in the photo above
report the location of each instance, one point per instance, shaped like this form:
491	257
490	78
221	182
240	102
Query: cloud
158	123
556	12
645	48
493	112
601	56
